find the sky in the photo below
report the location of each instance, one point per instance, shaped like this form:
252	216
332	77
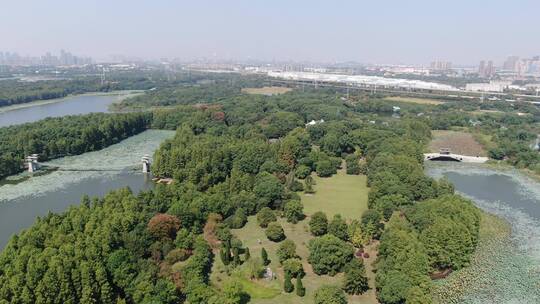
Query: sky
377	31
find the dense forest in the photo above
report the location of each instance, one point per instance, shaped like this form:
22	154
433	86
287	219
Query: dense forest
70	135
241	155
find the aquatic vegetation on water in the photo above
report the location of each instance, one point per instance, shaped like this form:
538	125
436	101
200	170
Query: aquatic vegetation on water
125	155
506	265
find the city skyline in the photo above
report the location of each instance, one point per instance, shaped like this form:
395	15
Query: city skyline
416	32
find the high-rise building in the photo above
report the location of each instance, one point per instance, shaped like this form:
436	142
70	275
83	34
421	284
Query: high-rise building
440	65
510	63
486	70
482	69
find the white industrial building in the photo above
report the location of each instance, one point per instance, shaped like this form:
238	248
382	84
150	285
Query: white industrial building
362	80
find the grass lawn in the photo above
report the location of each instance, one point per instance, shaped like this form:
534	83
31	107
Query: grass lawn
341	193
348	196
425	101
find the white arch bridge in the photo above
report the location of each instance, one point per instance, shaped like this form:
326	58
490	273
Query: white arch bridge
454	157
32	165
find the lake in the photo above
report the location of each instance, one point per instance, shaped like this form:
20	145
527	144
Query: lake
513	275
72	105
22	203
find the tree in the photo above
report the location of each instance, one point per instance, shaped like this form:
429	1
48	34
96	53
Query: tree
417	296
238	219
233	292
325	168
288	286
286	250
164	226
275	232
302	171
330	294
338	227
255	268
353	166
268	188
236	257
247	255
294	267
264	256
294	211
355	281
300	290
318	224
265	217
329	255
225	255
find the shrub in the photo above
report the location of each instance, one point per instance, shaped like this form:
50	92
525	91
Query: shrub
275	232
286	250
318	224
294	211
293	267
329	255
329	294
265	217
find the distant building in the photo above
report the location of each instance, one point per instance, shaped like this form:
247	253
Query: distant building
486	70
511	63
441	65
493	86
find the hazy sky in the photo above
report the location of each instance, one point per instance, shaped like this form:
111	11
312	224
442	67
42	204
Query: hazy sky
376	31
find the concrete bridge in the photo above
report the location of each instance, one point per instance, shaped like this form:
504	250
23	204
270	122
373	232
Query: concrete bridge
443	156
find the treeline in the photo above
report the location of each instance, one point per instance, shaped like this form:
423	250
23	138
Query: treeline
70	135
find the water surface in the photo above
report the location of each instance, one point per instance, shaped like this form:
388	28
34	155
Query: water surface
72	105
513	277
21	203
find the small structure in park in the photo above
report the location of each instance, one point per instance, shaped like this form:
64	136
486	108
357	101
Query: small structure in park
32	163
146	163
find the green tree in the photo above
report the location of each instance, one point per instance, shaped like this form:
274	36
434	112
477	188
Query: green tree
294	267
288	286
275	232
338	227
330	294
329	255
247	255
325	168
265	217
233	292
300	290
355	281
318	224
286	250
264	257
294	211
